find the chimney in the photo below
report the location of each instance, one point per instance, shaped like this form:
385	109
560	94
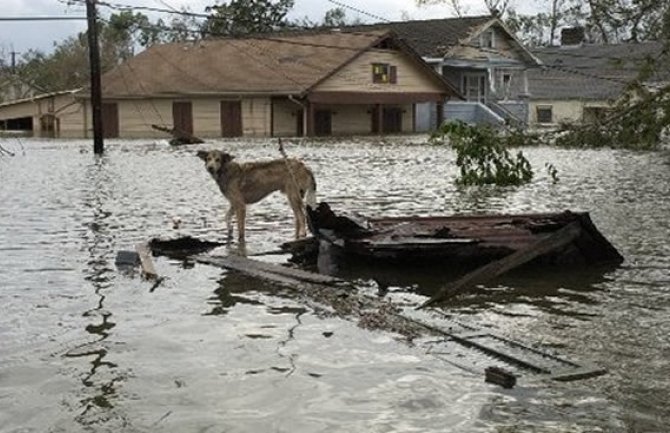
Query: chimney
572	36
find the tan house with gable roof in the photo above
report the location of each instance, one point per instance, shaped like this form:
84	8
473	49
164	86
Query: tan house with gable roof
328	83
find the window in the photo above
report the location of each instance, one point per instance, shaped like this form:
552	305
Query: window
544	114
383	73
474	87
487	40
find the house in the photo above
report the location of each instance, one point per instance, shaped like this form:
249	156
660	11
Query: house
580	82
478	56
323	83
56	114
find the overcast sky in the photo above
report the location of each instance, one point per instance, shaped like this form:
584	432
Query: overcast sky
22	36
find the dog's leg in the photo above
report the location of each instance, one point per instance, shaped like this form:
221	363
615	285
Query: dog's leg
229	222
241	214
299	215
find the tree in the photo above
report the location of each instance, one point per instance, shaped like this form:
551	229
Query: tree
67	66
604	21
240	17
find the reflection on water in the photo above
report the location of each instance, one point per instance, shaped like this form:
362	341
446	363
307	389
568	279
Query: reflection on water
86	347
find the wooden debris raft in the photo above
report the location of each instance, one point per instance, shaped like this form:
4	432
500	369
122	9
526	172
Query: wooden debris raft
333	295
552	242
490	244
465	239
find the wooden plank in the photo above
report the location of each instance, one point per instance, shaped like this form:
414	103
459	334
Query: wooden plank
557	368
554	241
268	271
463	335
147	264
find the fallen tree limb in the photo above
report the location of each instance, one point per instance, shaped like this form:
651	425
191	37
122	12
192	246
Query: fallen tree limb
179	136
555	241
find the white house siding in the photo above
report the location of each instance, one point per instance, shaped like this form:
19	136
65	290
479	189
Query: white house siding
256	117
72	118
562	111
137	116
206	117
284	117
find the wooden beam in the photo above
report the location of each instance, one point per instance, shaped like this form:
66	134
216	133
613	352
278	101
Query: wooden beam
554	241
267	271
147	264
357	98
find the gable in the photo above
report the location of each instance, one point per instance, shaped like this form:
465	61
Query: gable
493	42
358	75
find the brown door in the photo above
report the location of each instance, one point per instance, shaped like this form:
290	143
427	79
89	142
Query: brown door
299	123
231	119
110	120
323	122
375	119
182	118
392	120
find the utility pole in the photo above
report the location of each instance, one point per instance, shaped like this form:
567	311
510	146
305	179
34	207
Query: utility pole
96	87
14	53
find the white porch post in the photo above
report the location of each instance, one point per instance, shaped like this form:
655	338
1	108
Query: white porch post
524	77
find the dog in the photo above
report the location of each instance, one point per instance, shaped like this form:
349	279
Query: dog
249	182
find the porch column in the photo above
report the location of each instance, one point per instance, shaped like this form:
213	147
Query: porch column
379	121
524	78
440	113
309	119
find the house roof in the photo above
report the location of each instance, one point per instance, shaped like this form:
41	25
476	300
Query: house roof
431	38
270	64
590	71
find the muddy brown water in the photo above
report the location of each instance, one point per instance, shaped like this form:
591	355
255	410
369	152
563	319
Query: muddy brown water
85	346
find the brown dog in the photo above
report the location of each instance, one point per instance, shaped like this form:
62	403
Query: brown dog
249	182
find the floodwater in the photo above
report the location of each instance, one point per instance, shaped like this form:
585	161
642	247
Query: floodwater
88	347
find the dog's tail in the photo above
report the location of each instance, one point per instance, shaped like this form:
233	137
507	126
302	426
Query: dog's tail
310	193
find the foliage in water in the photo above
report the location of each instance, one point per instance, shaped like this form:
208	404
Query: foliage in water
482	155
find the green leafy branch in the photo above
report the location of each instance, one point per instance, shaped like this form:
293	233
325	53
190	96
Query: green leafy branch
482	154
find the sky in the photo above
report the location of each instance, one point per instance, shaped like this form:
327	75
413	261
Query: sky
25	35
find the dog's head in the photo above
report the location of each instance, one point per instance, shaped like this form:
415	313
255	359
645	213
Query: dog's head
215	160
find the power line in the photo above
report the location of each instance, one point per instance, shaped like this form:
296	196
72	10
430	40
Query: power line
272	36
44	18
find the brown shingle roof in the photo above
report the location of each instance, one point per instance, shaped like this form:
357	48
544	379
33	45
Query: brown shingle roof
275	64
431	38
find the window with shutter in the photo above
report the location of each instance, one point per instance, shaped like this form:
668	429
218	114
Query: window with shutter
383	73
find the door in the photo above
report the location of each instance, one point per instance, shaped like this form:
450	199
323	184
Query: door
48	126
376	127
231	118
323	122
299	123
110	120
392	120
474	87
182	118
